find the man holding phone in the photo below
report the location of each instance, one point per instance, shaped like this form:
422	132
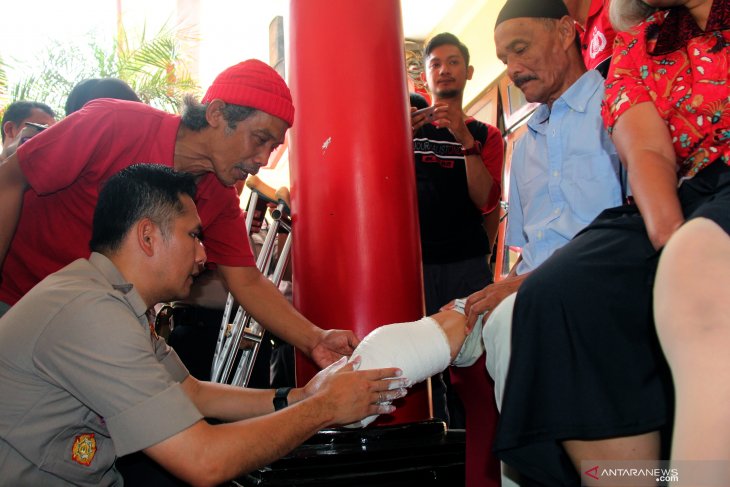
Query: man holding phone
458	173
22	120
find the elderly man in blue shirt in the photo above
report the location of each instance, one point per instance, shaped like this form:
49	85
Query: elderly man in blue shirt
565	169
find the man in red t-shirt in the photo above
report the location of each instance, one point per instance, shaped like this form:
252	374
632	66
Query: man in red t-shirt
595	31
49	188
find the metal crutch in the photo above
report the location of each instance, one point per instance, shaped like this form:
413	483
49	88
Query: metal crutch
245	334
247	329
253	333
259	191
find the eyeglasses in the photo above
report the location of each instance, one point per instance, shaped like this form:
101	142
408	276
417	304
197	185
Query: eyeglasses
40	126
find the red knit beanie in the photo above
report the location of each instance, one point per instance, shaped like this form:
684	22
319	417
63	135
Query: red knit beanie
254	84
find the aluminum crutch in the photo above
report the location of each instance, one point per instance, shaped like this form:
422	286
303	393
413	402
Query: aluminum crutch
222	371
253	333
260	192
247	328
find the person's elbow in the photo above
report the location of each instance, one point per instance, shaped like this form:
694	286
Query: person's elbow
195	455
208	469
481	199
208	475
487	197
203	471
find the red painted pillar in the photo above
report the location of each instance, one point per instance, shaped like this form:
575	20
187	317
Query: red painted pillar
356	251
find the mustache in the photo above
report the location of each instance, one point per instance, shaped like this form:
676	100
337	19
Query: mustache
521	80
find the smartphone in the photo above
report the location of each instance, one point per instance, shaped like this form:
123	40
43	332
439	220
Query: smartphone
428	112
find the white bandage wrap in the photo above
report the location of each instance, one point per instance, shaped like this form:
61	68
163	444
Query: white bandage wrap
472	348
419	348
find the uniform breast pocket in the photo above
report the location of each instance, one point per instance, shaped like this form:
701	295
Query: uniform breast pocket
82	453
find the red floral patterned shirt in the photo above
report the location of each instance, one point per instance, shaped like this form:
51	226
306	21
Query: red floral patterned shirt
670	61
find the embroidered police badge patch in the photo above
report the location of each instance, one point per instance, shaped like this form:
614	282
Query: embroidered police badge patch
84	449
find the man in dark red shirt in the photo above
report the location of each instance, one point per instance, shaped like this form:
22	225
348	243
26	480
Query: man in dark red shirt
49	188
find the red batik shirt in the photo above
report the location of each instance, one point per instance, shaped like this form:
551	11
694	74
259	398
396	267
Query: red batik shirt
669	61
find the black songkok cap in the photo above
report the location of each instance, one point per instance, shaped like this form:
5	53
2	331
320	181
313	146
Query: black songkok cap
544	9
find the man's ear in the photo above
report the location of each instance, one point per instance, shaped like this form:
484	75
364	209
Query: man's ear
214	113
10	130
147	234
566	28
469	72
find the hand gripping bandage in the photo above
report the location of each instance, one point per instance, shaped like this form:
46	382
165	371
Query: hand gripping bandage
419	348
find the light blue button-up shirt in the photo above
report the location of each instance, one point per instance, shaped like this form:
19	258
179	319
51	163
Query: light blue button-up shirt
565	171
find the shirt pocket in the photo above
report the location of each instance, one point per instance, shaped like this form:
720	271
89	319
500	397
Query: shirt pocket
593	186
82	453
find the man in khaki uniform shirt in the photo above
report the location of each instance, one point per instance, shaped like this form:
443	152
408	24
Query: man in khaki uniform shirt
84	379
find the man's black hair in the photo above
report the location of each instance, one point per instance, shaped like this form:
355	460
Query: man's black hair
93	88
20	110
445	38
140	191
418	101
193	115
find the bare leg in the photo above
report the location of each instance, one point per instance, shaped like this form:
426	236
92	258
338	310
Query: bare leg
693	323
454	325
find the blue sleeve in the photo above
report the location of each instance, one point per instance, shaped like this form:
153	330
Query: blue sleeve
515	235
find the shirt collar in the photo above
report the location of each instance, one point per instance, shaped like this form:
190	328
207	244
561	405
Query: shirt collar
595	8
679	27
576	97
110	272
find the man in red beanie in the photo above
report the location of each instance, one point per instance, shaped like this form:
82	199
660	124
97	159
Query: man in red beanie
49	188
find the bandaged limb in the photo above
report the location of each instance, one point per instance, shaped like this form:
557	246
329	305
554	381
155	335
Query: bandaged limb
419	348
492	333
470	347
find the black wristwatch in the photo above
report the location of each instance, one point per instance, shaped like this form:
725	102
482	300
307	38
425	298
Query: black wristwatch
280	401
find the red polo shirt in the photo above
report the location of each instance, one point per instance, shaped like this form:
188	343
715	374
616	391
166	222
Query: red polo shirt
66	166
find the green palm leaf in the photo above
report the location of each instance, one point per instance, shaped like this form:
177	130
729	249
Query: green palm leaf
154	67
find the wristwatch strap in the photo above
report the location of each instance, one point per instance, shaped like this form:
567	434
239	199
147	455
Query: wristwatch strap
280	398
475	150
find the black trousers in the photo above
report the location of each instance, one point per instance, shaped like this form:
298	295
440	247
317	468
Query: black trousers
586	361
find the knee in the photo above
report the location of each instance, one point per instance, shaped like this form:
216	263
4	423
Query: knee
693	272
544	285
